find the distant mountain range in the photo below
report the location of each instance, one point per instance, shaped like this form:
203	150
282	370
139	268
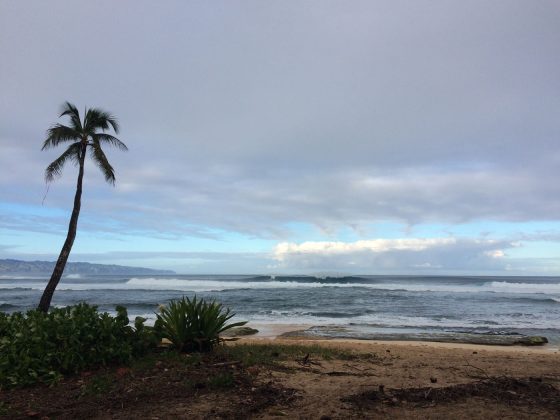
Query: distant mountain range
46	267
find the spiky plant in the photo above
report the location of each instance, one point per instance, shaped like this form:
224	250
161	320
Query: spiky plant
194	324
83	134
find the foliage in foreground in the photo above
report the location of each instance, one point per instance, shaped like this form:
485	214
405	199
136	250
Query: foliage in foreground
194	325
41	347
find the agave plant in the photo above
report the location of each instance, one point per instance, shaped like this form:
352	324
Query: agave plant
194	324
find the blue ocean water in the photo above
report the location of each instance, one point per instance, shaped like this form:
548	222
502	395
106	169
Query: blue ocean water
497	305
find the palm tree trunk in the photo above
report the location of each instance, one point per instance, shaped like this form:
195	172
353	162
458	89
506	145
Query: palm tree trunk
45	302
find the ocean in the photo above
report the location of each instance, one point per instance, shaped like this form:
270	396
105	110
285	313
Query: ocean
389	305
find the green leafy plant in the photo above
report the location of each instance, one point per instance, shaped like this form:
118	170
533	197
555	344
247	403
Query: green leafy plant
41	347
194	324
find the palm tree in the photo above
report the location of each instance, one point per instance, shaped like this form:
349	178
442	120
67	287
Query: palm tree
82	134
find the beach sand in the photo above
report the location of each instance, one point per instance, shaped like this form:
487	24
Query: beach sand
473	381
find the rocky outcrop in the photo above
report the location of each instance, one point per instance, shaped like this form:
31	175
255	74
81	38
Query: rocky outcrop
326	332
239	331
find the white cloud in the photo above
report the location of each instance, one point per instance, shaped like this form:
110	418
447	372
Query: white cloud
285	249
495	253
394	255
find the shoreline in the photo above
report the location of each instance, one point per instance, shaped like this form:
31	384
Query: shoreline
274	332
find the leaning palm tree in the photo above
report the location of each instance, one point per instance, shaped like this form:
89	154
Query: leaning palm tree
83	134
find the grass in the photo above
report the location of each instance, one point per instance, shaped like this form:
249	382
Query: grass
99	384
170	356
271	354
221	380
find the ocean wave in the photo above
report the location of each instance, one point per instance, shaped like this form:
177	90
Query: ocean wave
22	277
312	279
15	287
551	290
507	287
203	285
383	321
217	285
534	299
282	282
398	321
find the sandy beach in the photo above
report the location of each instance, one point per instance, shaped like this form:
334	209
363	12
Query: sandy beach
346	389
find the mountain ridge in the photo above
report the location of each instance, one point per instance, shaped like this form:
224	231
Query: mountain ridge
12	266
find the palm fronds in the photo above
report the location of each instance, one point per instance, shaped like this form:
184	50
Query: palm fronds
101	160
109	139
54	170
96	118
59	133
88	133
71	110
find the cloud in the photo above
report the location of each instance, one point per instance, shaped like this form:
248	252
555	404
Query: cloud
253	118
266	205
171	199
375	246
395	255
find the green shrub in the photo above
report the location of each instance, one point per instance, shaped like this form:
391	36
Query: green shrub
194	325
41	347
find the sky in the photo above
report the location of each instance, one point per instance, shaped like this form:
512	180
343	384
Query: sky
337	137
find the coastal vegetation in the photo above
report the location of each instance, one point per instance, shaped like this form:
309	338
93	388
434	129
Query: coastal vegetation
84	134
44	346
194	324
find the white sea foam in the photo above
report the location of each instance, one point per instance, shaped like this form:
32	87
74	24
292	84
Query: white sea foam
380	321
216	285
395	321
503	286
207	285
10	277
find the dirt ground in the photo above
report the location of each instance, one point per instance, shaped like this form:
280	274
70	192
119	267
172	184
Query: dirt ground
365	380
402	380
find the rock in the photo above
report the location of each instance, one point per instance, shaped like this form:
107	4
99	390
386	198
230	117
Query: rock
532	341
239	331
349	332
296	334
